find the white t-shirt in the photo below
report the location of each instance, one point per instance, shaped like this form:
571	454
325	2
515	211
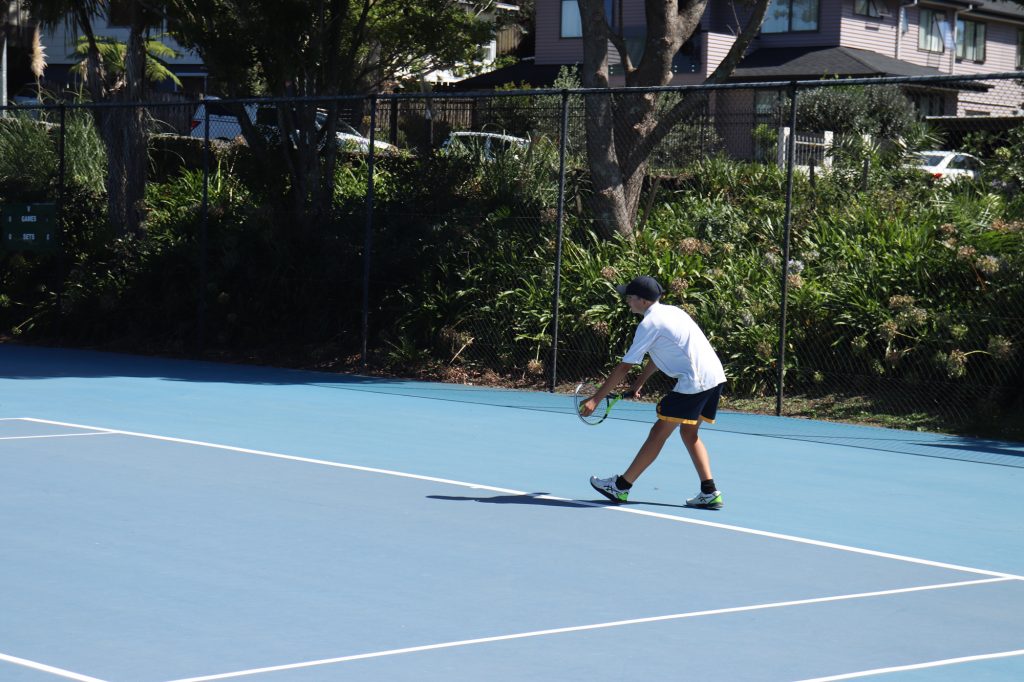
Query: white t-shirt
678	348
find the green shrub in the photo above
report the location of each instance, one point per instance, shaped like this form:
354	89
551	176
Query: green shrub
881	111
85	154
28	158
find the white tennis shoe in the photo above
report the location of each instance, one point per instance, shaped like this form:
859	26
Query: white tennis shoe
706	501
607	487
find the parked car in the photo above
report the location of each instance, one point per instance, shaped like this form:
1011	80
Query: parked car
486	145
948	167
224	125
350	137
221	119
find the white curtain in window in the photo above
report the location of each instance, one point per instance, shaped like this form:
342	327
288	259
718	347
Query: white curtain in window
970	40
930	30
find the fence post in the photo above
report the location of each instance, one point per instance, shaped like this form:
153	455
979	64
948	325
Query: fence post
560	222
393	121
62	257
787	224
204	221
368	241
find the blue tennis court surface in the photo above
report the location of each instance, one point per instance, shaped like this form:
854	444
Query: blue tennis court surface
166	520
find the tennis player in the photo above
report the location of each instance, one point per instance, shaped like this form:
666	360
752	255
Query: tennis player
680	349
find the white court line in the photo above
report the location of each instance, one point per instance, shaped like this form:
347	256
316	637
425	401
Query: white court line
59	435
917	666
582	628
582	503
48	669
997	577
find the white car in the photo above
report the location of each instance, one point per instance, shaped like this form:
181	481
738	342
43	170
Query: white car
487	145
945	167
350	137
221	119
224	125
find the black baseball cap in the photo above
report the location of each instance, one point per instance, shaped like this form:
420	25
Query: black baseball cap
645	287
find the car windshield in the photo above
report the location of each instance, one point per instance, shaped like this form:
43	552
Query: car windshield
218	109
339	125
931	159
346	128
964	162
472	143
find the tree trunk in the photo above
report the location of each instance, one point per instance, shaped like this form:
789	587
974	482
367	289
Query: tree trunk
613	128
623	129
125	137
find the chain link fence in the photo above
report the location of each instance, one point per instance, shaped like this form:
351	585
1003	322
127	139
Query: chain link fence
847	258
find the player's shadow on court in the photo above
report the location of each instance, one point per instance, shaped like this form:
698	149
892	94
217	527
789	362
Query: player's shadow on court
537	499
527	498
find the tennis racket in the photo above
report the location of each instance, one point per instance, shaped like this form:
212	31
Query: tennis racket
583	393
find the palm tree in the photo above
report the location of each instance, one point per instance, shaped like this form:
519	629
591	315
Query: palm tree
122	128
19	32
112	55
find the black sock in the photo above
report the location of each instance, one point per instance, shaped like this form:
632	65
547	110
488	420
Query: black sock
707	487
622	484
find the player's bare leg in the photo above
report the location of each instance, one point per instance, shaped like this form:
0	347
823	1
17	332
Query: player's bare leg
650	450
698	453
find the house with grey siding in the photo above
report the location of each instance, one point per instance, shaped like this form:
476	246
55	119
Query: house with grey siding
810	39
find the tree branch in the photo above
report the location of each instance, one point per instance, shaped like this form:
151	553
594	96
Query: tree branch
690	103
739	48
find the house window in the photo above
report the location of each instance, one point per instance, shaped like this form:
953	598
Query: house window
1020	48
789	16
866	8
572	24
970	40
929	36
928	104
768	106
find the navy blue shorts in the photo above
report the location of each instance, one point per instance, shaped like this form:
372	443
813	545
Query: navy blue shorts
690	408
